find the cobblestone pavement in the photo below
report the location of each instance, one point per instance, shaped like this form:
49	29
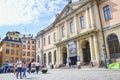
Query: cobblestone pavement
69	74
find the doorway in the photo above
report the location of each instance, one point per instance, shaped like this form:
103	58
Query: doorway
86	53
64	55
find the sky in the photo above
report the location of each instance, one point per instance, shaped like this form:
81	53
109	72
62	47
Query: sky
28	16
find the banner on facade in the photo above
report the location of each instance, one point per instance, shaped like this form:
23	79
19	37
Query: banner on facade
72	47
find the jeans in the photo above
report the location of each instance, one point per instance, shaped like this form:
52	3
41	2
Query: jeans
24	72
29	70
37	69
19	70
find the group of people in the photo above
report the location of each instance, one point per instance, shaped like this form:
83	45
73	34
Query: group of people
20	67
6	69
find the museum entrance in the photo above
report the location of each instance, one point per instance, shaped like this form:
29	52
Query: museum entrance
86	53
73	60
64	55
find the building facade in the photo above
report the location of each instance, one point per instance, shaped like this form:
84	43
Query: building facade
11	48
28	48
84	31
109	12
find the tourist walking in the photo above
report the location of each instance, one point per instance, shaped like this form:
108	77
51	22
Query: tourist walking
24	67
37	65
19	68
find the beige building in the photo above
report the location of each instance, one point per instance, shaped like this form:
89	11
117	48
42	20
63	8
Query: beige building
80	34
28	47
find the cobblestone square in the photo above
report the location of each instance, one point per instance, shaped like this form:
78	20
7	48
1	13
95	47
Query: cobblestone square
69	74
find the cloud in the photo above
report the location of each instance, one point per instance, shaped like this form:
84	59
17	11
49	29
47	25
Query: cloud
16	12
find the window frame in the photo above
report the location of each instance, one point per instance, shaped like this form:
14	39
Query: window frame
71	26
107	12
82	22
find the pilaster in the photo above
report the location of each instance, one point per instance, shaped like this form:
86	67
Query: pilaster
92	48
91	17
96	49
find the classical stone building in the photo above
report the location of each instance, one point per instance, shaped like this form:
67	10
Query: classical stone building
80	34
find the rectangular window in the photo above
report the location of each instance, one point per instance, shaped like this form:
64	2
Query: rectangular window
8	44
54	37
82	21
12	51
7	51
49	39
44	41
12	59
28	59
63	31
10	38
71	27
16	59
28	48
13	44
107	12
23	54
28	53
17	45
17	51
28	41
24	46
33	42
33	47
33	54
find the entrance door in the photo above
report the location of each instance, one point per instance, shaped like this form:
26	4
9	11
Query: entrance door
73	60
64	58
86	53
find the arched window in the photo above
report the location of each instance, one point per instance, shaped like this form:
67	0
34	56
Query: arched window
49	58
113	45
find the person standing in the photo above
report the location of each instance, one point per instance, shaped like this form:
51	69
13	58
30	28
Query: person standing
24	66
19	68
29	67
37	65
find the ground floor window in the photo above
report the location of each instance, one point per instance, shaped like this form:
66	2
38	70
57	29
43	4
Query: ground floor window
113	45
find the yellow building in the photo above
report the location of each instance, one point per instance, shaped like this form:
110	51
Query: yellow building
11	48
80	34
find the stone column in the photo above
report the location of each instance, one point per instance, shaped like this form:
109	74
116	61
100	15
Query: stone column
78	51
67	29
87	18
91	17
75	24
47	60
81	53
59	61
52	53
68	55
96	48
92	48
